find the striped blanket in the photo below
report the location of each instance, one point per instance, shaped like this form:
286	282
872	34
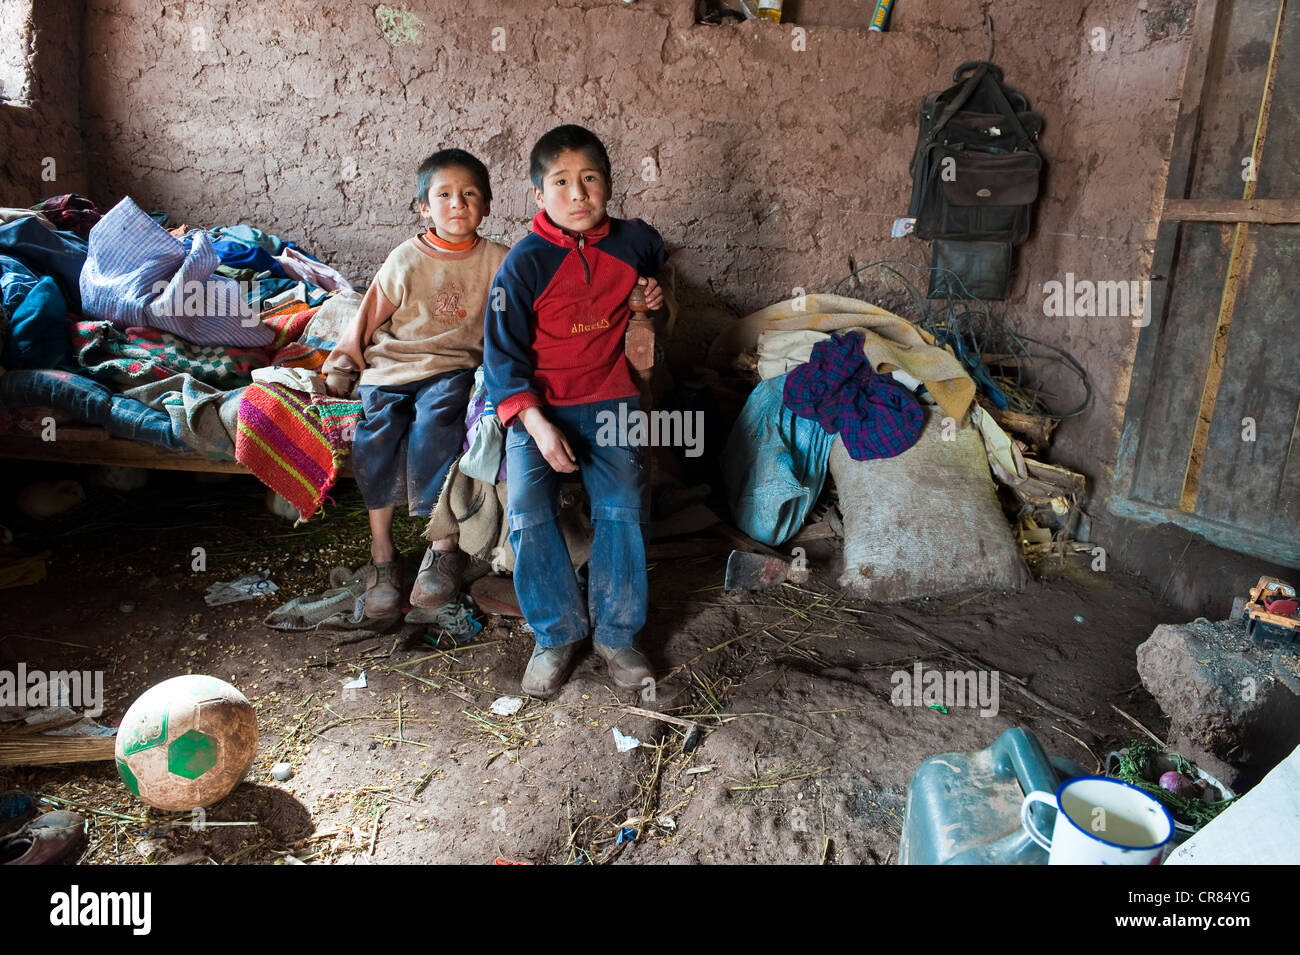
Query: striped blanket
288	321
136	273
294	442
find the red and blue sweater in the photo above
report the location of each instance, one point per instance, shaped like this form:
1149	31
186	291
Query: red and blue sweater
557	314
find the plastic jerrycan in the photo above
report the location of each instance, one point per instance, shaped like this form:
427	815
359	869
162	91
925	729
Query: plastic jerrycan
964	808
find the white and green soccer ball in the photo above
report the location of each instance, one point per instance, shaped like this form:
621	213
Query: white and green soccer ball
186	742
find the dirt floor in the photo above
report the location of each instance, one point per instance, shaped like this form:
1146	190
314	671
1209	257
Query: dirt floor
804	759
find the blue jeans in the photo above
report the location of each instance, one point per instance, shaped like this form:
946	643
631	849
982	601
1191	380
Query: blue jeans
614	610
425	417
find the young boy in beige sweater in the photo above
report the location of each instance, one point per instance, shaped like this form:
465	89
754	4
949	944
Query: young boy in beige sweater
417	339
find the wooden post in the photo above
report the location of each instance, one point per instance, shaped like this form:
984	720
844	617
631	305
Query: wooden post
639	345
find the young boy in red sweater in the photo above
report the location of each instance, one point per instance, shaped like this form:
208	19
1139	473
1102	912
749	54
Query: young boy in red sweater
554	363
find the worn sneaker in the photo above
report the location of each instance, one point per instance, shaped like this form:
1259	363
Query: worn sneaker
46	840
438	582
627	665
383	590
547	669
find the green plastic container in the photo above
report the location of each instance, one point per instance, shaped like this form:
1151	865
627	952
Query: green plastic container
964	808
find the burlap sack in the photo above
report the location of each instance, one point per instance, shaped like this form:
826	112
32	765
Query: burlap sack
926	522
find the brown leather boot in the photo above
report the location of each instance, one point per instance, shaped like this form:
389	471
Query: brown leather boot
628	666
438	582
383	589
547	669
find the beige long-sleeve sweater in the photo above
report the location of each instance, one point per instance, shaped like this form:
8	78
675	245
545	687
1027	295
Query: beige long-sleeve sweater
422	315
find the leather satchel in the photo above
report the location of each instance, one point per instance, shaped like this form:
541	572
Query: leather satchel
975	177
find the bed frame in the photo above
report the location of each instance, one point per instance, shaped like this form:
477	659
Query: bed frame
80	443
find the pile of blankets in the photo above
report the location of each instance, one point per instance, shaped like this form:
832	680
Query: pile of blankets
831	367
158	335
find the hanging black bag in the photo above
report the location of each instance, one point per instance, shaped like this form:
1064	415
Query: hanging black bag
975	177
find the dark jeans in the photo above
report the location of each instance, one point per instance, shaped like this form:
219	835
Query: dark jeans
430	415
614	610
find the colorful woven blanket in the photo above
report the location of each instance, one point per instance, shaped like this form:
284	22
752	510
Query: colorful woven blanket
294	442
137	356
338	418
288	321
300	355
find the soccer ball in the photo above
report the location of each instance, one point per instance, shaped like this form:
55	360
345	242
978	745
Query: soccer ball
186	742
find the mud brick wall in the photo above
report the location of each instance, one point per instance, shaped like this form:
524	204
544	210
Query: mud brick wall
41	148
767	155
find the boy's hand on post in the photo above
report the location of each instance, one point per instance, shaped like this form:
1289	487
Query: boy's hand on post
550	441
654	295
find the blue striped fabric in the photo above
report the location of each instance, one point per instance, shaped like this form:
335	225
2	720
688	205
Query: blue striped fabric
132	259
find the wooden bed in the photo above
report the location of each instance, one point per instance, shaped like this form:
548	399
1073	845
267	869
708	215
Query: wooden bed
80	443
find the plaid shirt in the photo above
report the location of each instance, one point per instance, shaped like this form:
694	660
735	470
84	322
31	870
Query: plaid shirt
838	388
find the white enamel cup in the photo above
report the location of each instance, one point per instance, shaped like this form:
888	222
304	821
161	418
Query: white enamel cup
1101	821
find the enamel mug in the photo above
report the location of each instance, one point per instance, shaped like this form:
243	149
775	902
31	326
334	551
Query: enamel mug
1101	821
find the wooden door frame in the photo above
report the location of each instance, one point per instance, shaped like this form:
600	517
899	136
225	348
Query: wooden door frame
1178	208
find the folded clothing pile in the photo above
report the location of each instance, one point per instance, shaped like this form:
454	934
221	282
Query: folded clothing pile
174	323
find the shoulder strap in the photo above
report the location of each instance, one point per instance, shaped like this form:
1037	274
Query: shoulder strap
1000	98
958	101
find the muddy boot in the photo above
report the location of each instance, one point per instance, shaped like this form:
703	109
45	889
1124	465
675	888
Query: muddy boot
438	582
383	590
548	669
628	666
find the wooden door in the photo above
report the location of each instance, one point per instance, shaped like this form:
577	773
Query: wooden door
1211	437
